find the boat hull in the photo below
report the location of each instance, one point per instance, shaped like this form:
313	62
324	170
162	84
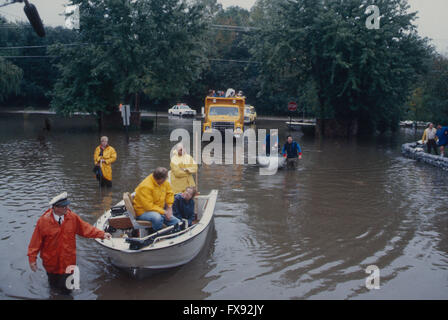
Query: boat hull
169	257
166	251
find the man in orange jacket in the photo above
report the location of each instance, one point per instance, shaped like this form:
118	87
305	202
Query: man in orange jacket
55	238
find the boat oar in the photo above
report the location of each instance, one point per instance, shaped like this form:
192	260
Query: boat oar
138	243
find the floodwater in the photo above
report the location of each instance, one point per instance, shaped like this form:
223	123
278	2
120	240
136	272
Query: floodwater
309	233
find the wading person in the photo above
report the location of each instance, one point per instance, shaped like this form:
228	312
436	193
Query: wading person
183	206
267	144
54	237
442	135
103	158
154	199
291	151
182	169
429	138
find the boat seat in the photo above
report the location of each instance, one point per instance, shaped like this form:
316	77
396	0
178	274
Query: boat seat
137	224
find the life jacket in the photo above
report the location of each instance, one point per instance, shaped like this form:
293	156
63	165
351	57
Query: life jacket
292	149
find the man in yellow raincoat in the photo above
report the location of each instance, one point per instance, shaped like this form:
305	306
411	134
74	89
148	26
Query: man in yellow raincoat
182	169
103	157
154	199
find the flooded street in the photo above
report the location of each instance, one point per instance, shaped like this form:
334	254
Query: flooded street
304	234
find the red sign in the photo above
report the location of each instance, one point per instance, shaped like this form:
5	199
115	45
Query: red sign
292	106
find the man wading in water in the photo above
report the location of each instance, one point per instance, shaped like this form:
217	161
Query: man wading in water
55	238
103	157
291	150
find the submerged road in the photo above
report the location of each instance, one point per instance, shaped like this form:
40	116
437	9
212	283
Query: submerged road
309	233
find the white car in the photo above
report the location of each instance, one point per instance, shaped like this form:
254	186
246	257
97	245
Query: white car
181	110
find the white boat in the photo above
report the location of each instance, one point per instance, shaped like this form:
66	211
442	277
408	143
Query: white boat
296	125
164	249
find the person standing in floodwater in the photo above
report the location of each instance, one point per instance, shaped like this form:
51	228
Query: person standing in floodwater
291	151
429	138
54	237
442	135
103	158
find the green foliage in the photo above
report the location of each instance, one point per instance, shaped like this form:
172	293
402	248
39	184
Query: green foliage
151	47
360	75
39	75
429	101
318	53
223	48
10	78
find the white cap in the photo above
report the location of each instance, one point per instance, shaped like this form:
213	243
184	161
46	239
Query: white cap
60	199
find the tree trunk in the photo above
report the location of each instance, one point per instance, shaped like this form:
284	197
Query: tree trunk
337	127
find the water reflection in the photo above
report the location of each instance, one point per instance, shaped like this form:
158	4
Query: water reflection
304	233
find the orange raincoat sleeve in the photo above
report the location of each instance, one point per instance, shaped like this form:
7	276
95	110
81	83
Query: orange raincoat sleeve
35	244
88	231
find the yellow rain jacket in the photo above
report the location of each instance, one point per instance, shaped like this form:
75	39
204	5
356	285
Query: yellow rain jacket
109	156
150	196
180	179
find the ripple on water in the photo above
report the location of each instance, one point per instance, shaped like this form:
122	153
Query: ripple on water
298	234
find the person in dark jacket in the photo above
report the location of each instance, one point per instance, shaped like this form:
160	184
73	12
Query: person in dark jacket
183	206
442	135
267	143
291	150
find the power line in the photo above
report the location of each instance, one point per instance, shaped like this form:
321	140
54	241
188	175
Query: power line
233	28
238	61
43	46
210	59
14	57
14	27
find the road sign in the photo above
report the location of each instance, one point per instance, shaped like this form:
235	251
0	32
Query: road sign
126	114
292	106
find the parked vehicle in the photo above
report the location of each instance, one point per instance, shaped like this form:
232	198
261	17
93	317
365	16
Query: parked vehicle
224	113
181	110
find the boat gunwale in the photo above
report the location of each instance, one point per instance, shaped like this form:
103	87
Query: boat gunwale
151	248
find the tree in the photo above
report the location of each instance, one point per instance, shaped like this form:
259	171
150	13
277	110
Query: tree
128	47
10	78
362	76
429	101
39	74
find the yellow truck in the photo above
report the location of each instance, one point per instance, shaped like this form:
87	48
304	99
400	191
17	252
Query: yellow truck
224	113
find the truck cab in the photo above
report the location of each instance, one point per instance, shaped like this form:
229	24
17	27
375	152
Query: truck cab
224	113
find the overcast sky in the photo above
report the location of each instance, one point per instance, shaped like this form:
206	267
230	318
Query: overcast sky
432	22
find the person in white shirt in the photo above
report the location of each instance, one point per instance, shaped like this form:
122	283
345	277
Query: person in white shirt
429	138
